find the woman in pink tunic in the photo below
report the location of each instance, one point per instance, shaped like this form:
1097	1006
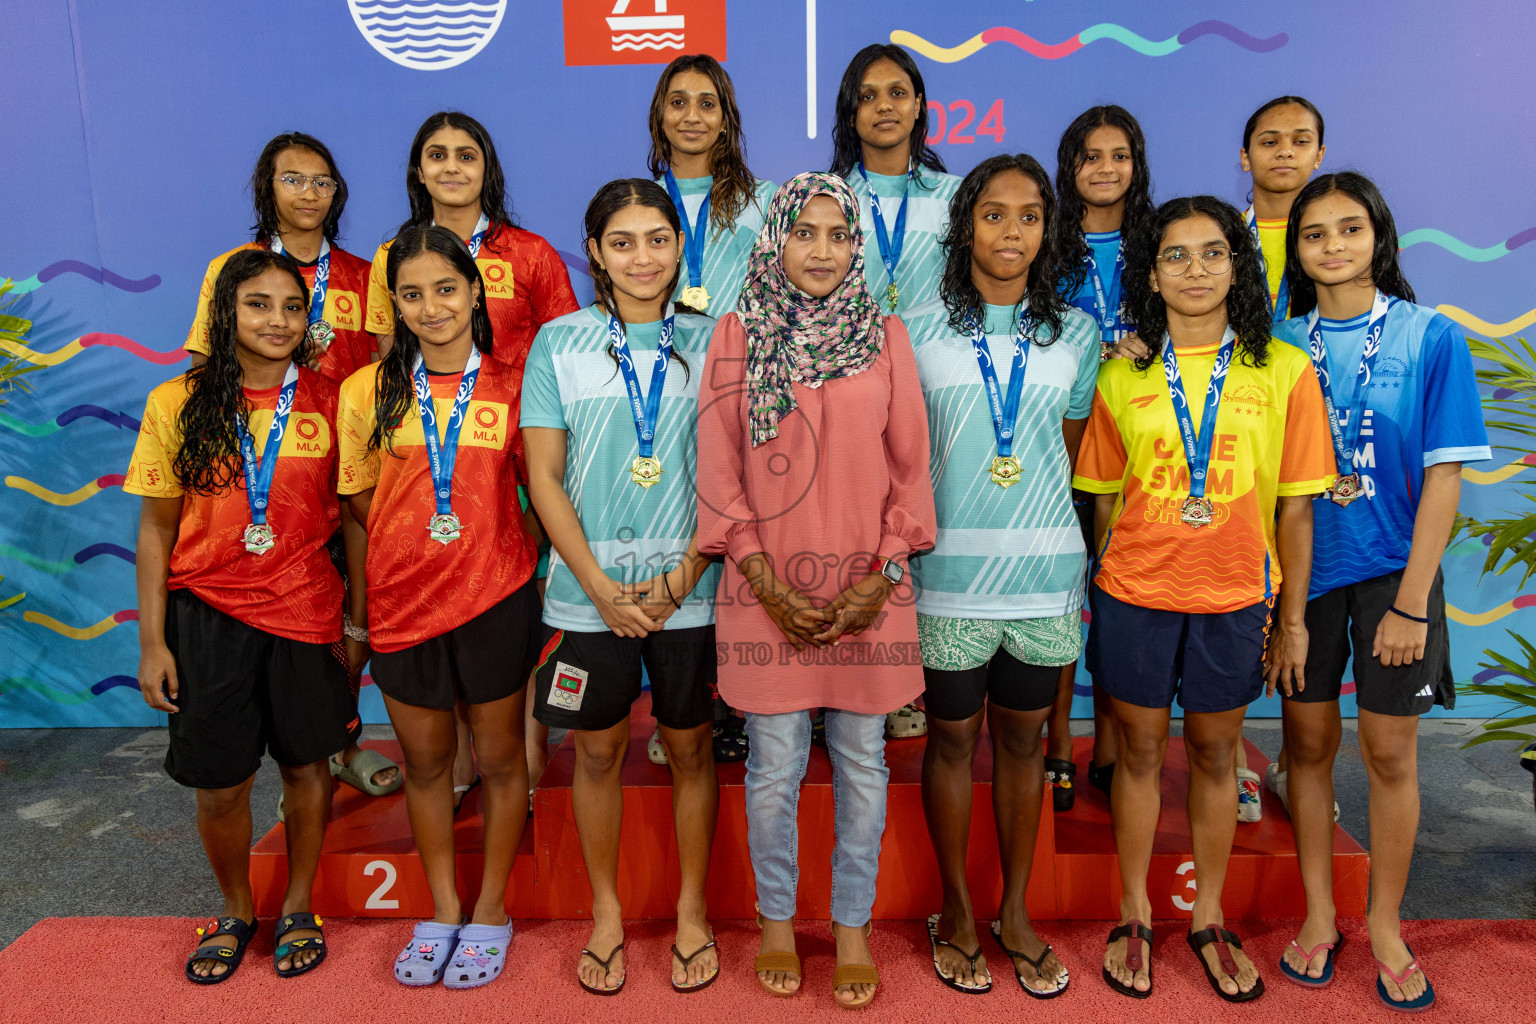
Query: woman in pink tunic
813	483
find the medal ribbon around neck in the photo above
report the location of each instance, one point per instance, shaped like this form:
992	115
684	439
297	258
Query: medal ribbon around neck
890	248
477	238
441	455
1346	436
1005	411
320	332
1107	308
1197	451
1282	310
645	408
693	241
259	473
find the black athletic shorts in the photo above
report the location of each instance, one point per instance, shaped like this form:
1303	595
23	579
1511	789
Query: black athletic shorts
1344	621
1005	681
485	659
244	692
588	681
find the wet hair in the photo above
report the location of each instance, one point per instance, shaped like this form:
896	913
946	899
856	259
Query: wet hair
847	149
734	186
262	186
493	184
394	390
1386	272
208	461
1071	155
959	292
611	199
1248	310
1280	101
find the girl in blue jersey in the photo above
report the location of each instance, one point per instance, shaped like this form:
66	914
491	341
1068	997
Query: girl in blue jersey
609	417
1406	415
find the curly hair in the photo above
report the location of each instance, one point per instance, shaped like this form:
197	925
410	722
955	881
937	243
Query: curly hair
847	148
1247	298
1071	248
1386	271
959	291
208	461
264	201
734	186
394	389
493	186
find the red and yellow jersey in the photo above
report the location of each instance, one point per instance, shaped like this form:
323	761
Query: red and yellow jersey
526	286
418	588
1271	441
293	590
344	310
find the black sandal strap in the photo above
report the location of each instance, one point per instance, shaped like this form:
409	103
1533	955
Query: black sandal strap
972	957
611	954
1057	769
686	961
293	922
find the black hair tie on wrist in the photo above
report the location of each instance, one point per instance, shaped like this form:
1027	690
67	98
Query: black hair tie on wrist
668	584
1395	610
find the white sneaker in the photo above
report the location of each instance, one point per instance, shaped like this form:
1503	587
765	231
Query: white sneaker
1249	809
1274	781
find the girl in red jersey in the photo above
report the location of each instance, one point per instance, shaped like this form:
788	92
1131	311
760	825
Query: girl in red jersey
430	462
239	604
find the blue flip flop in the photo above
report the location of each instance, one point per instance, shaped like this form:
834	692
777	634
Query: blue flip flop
426	955
1302	977
1423	1002
479	956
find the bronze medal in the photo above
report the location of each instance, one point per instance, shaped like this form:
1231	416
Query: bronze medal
1346	488
1197	512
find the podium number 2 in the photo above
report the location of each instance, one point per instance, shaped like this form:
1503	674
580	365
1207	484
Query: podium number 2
1186	868
377	900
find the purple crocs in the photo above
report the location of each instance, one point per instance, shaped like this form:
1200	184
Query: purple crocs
480	956
424	957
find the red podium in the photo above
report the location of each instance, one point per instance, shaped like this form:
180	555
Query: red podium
369	866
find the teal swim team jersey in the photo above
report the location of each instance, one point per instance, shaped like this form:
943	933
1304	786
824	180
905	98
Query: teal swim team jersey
725	252
922	251
1002	553
573	384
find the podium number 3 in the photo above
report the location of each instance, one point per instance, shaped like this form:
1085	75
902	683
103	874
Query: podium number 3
377	900
1185	869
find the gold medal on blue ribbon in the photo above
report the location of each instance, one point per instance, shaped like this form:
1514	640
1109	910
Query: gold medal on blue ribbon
1005	470
696	297
645	470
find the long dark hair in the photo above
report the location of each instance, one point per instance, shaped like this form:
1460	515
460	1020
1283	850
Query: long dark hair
846	147
1280	101
266	226
1247	299
394	390
1386	272
493	184
734	185
610	199
208	460
960	294
1071	154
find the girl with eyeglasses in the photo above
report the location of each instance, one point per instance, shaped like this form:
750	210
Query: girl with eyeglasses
1204	456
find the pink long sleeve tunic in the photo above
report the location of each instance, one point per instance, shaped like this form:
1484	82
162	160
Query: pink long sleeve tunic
845	481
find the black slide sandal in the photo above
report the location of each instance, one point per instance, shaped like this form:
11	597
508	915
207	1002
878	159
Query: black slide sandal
285	950
243	931
1223	939
1130	932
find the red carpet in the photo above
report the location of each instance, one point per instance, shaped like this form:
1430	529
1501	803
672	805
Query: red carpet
89	970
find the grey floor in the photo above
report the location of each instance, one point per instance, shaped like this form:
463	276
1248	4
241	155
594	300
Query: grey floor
92	826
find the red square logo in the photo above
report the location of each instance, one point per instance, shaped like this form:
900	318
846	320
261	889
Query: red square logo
642	31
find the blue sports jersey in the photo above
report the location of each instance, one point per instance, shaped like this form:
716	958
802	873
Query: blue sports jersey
922	251
1423	410
725	252
1105	246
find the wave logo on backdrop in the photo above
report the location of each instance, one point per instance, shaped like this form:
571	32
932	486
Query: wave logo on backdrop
428	35
642	31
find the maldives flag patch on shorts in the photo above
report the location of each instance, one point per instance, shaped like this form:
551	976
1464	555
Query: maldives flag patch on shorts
568	688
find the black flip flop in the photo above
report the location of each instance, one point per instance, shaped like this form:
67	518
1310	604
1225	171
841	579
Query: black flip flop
285	950
461	794
604	965
1223	939
243	931
1063	981
934	942
1131	931
686	961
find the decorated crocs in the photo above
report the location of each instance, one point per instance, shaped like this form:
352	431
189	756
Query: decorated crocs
426	955
229	957
288	950
479	956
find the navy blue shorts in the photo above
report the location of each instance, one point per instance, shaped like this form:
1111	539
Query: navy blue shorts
1147	656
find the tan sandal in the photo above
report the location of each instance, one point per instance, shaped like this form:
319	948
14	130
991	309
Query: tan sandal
780	960
855	974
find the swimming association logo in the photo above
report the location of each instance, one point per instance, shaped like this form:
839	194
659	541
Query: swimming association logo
642	31
428	35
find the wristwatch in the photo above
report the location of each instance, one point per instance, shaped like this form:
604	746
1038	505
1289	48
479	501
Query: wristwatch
889	569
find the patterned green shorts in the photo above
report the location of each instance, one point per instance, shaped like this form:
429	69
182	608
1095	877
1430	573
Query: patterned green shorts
954	645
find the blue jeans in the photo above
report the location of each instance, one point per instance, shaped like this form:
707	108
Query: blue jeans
780	746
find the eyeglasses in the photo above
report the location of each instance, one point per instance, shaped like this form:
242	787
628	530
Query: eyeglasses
298	184
1177	261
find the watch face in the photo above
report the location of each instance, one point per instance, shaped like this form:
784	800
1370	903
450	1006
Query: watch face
891	571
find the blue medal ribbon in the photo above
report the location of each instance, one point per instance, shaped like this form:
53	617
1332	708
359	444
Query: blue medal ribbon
1107	308
1197	451
890	248
1282	310
258	473
477	238
1005	410
645	408
322	278
1346	435
441	455
693	241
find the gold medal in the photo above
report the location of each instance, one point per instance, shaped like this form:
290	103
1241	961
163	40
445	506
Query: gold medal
1346	488
1197	512
890	294
1005	470
695	296
645	470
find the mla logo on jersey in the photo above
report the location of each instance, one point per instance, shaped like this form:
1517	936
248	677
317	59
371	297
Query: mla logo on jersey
642	31
428	35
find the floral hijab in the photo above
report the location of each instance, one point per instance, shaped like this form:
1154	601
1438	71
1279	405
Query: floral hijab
791	337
